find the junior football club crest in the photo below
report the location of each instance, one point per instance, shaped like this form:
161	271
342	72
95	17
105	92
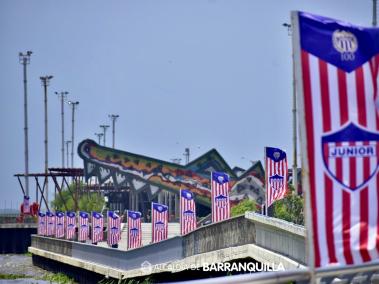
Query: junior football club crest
114	230
188	215
97	229
221	200
276	182
134	231
347	151
159	226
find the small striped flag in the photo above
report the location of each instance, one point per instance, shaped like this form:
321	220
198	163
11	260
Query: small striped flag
26	204
50	219
83	226
187	211
59	225
41	224
97	227
70	225
114	228
159	222
276	175
220	197
134	229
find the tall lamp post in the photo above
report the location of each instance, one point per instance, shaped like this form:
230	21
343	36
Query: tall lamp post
73	106
45	82
104	127
113	117
294	118
67	144
99	135
62	96
24	59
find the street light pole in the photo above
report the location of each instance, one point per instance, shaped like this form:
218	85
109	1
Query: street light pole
294	118
99	135
62	96
104	127
67	143
73	106
24	59
113	117
45	82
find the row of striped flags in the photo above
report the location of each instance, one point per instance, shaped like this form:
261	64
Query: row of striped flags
64	225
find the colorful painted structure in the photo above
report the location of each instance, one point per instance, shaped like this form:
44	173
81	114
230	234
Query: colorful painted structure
154	177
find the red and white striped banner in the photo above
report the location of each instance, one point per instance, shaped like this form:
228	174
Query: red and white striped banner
187	212
134	229
220	197
114	228
70	225
339	125
97	227
50	224
59	225
159	222
276	174
83	228
41	224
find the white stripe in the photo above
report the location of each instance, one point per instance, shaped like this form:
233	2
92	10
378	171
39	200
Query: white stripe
355	225
359	173
352	97
319	175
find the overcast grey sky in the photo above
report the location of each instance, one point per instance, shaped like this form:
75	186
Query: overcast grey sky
190	73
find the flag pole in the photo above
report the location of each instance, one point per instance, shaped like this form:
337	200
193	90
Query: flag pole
309	239
180	211
152	225
127	227
266	182
212	197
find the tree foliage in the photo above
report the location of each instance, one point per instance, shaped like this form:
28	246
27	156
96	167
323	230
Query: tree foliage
86	201
243	206
290	208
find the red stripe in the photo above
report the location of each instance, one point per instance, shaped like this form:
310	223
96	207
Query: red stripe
344	109
364	225
361	99
326	122
346	227
310	147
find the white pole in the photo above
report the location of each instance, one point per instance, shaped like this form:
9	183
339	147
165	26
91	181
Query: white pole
303	142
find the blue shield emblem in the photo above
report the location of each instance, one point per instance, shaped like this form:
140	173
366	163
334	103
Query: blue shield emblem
345	154
188	215
114	230
221	201
134	232
276	182
159	226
